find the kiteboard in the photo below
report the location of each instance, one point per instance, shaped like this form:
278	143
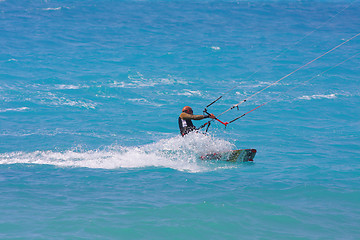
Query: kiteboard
240	155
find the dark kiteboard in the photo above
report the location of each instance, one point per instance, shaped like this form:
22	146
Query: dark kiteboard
240	155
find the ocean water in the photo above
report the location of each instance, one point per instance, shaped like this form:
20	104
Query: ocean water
90	93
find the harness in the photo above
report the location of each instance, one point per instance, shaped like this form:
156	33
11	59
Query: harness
186	126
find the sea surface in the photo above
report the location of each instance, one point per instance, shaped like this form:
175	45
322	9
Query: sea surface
91	91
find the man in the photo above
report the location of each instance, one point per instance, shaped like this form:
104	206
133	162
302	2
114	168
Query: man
185	123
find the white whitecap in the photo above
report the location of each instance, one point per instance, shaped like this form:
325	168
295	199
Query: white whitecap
52	9
53	99
138	80
319	96
187	92
14	109
64	87
144	101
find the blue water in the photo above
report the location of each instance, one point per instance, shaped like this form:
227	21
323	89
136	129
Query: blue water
90	93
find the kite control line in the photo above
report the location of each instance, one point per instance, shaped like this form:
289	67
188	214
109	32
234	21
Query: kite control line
289	74
224	123
296	87
209	122
283	52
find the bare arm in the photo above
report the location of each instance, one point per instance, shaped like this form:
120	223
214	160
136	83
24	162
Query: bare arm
187	116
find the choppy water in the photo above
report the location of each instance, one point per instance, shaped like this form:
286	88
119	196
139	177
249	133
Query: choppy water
90	93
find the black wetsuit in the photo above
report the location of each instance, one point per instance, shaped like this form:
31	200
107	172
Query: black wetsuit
186	126
185	123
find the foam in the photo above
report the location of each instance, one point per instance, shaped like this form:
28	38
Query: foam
20	109
320	96
66	87
179	153
53	99
52	9
144	101
215	48
139	81
188	92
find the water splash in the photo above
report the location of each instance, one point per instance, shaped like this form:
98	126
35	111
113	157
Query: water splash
179	153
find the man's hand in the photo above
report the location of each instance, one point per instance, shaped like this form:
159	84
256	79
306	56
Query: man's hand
212	116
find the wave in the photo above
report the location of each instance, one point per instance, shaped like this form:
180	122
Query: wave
52	9
188	92
67	87
143	101
55	8
319	96
53	99
215	48
179	153
138	80
20	109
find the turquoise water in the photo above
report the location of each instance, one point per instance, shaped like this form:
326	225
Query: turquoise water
90	93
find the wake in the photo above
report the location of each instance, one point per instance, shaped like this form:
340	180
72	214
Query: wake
179	153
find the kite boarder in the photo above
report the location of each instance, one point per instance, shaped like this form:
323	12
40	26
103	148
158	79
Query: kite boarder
185	123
